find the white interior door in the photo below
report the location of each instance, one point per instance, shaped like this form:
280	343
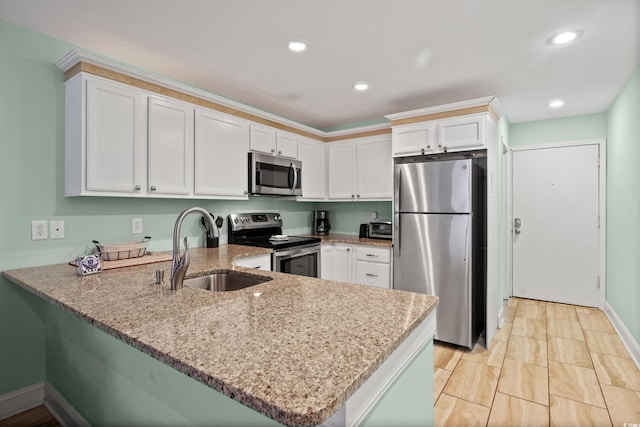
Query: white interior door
555	247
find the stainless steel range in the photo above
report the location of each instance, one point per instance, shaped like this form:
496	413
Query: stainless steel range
291	254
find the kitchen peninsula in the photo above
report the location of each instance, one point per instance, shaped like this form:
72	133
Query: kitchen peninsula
298	350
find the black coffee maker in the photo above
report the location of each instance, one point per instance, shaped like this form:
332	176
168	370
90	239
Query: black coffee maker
321	222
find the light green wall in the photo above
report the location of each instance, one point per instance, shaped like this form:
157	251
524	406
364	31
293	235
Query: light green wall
576	128
623	205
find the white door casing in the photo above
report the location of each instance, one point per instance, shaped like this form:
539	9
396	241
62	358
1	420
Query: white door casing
558	195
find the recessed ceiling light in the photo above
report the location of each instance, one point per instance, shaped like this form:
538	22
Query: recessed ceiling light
297	45
362	86
556	103
565	37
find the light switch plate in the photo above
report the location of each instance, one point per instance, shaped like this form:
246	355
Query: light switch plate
56	229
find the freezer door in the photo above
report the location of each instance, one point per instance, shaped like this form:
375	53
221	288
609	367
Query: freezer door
432	255
434	186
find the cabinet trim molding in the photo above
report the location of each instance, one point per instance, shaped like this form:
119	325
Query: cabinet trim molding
78	61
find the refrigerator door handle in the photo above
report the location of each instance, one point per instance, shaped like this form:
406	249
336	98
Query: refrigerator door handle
397	215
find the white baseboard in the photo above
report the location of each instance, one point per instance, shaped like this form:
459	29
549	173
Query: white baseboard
21	400
61	409
624	334
41	394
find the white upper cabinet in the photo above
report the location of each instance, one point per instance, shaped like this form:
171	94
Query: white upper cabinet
361	169
110	157
287	144
265	139
141	144
437	136
170	148
312	154
462	132
413	139
221	144
342	174
374	169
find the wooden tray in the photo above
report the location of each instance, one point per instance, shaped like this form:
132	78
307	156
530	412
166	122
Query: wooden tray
146	259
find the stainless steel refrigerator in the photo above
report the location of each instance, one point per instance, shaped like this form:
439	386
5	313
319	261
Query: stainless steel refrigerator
439	238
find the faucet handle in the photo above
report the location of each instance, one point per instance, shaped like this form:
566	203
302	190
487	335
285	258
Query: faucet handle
185	259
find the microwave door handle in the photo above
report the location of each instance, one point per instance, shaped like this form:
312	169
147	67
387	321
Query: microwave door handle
295	177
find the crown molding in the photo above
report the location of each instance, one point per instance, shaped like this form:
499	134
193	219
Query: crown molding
490	101
76	56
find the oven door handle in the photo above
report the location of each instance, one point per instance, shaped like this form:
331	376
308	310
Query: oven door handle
298	251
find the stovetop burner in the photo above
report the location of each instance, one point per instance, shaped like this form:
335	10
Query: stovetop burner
256	229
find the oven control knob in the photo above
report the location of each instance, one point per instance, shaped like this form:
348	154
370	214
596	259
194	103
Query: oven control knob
235	220
277	217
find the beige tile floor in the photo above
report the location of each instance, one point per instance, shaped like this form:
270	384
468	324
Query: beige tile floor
550	365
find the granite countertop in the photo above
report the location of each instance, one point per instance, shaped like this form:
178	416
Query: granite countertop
352	240
294	348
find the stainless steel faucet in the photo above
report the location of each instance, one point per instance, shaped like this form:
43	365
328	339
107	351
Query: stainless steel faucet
180	264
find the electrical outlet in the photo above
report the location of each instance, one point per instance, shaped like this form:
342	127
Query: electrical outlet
56	229
374	215
136	226
39	230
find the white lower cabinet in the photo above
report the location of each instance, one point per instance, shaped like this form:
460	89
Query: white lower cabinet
326	262
342	263
258	262
364	265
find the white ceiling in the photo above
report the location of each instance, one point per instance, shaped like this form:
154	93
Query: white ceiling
416	53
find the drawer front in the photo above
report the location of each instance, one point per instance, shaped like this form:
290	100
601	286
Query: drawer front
258	262
372	274
372	254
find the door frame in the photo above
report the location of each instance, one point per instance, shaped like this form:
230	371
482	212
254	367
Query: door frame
601	143
507	222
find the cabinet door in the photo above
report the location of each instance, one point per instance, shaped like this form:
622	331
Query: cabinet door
312	154
412	139
263	139
342	263
170	149
373	274
287	144
342	162
375	170
221	143
462	132
116	133
327	262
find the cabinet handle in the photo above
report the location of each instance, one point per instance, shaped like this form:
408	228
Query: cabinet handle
372	255
353	196
153	188
273	150
246	192
279	151
371	275
358	196
137	188
348	249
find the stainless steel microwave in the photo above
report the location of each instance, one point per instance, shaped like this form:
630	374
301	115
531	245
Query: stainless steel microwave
274	176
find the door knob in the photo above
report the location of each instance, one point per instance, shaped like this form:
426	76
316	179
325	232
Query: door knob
517	223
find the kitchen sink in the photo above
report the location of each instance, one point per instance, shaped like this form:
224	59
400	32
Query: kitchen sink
227	280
